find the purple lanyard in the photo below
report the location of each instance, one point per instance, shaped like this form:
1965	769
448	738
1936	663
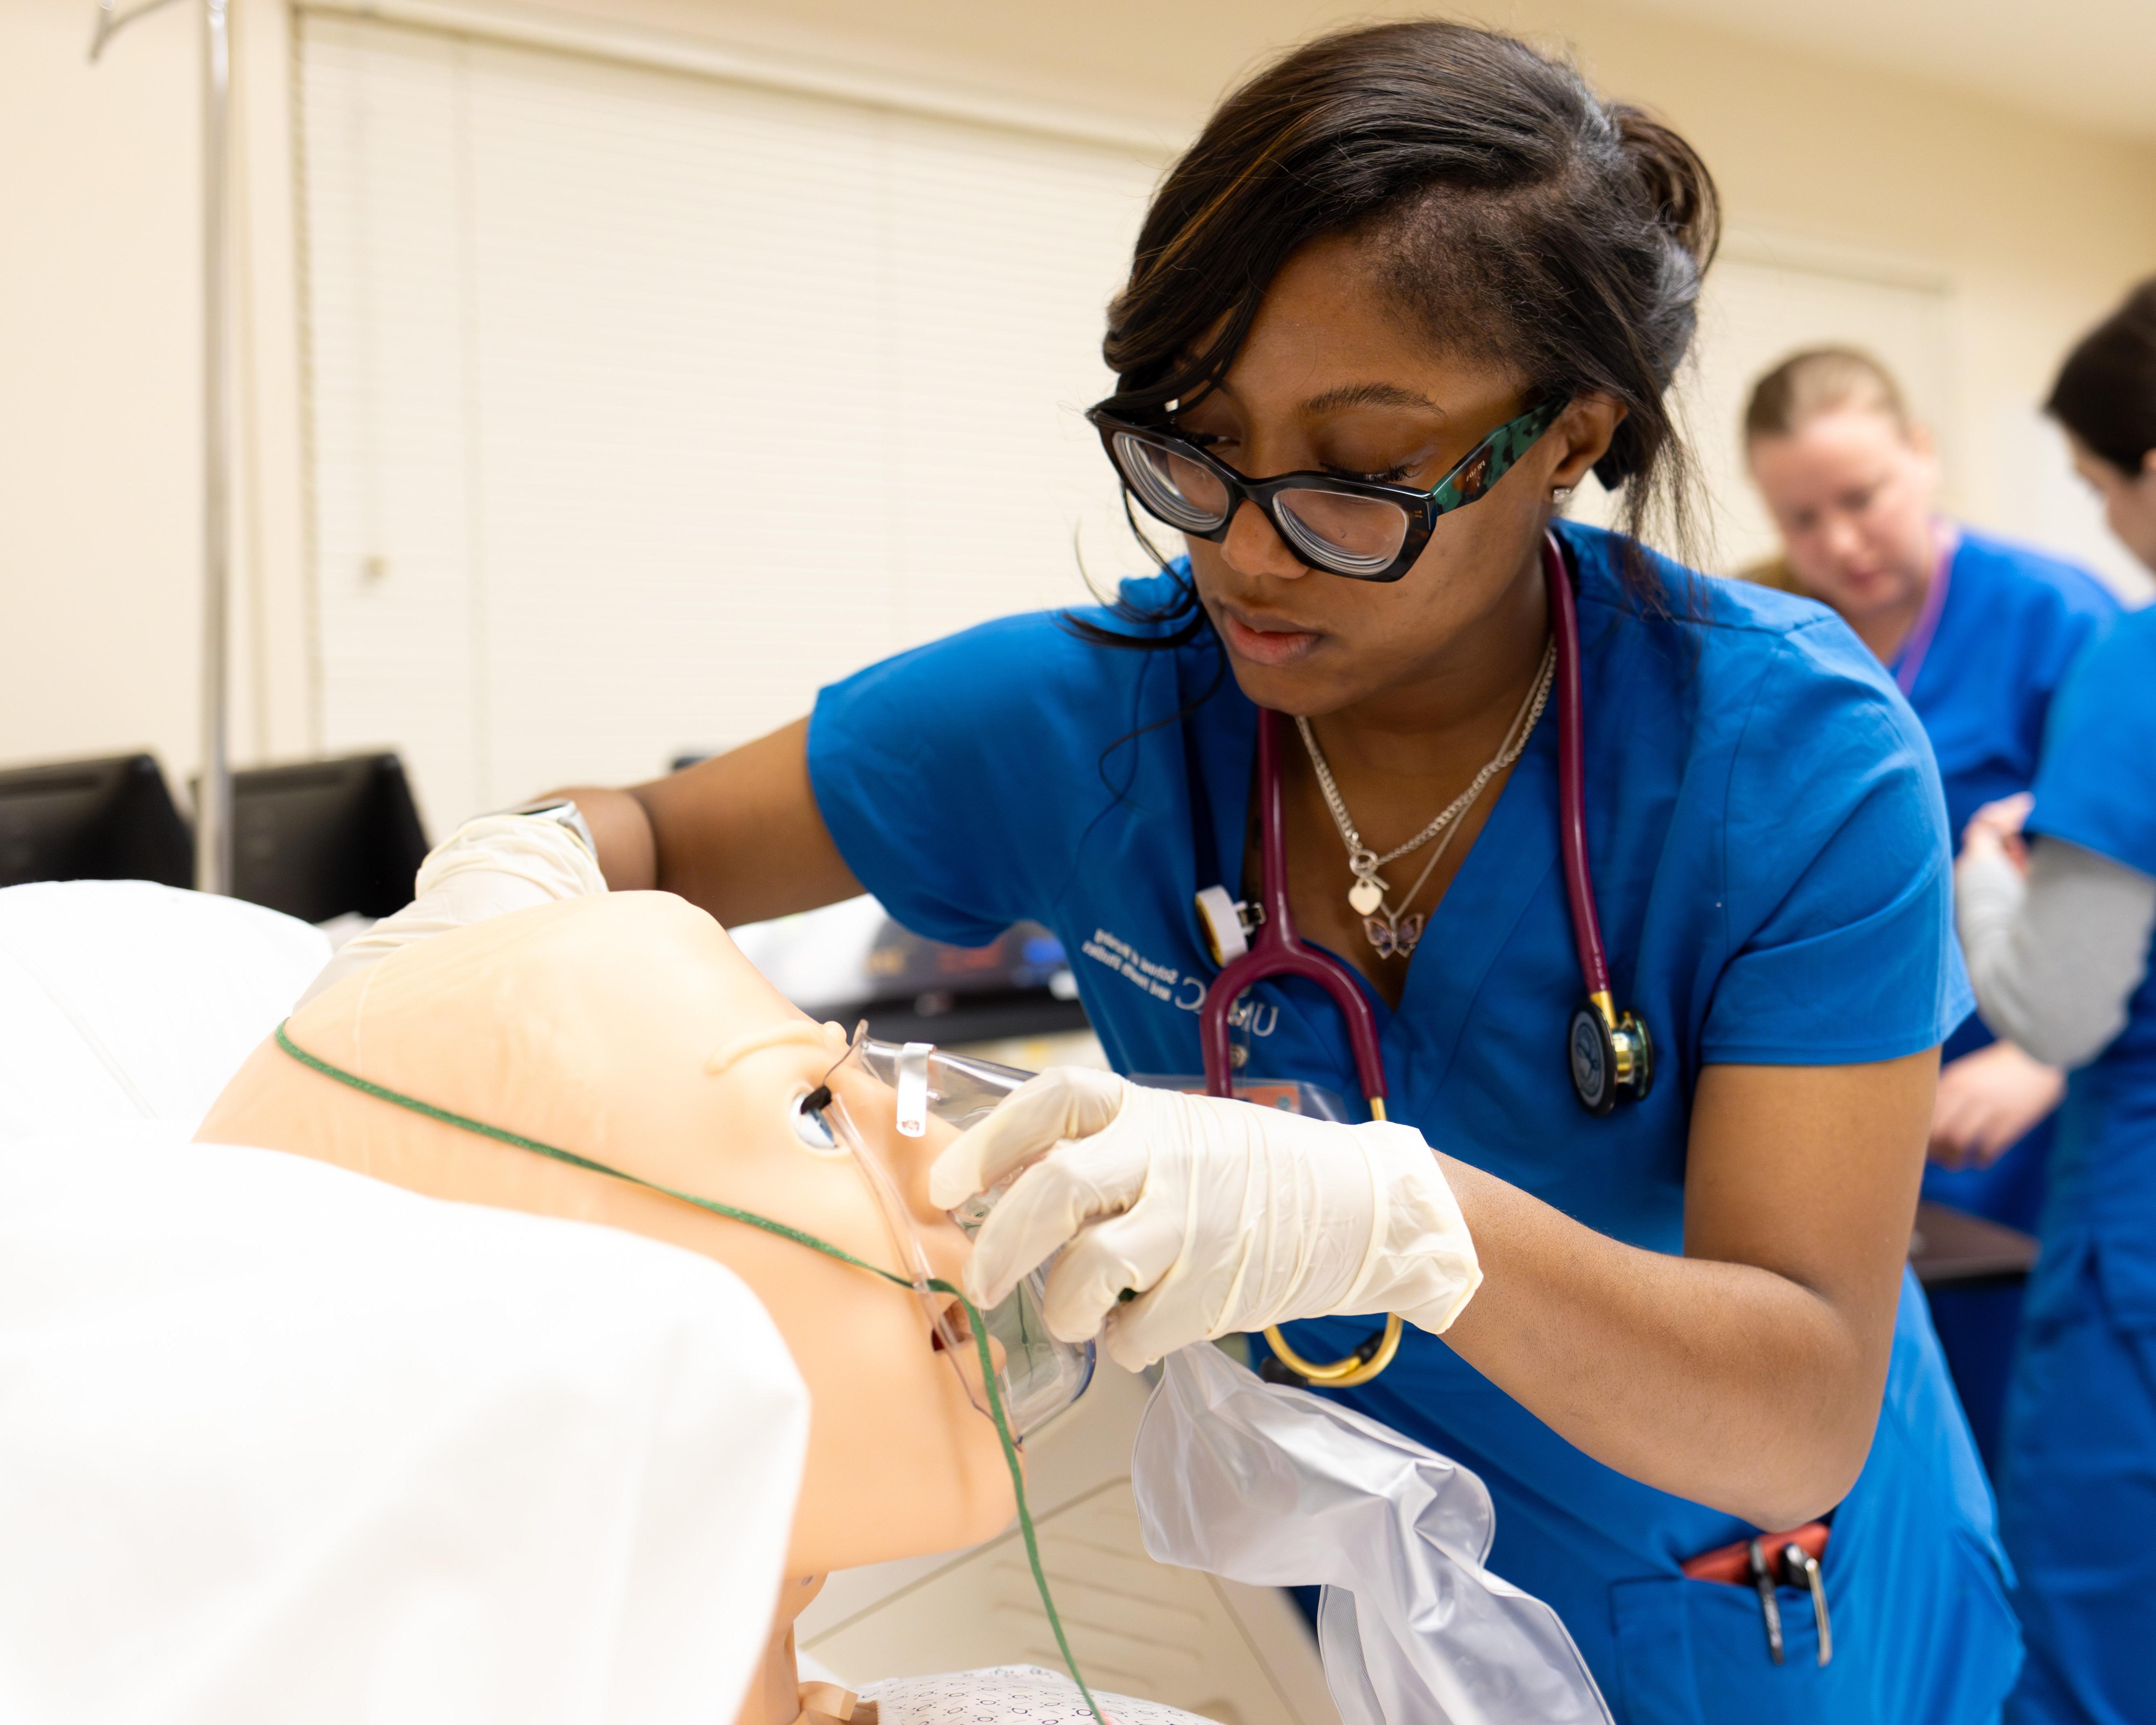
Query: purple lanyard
1911	660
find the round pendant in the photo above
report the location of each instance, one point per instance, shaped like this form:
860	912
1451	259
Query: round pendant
1365	897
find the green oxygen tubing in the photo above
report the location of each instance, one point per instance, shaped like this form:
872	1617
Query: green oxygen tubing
382	1092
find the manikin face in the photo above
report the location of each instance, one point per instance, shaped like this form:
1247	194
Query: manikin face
1853	496
629	1030
2129	499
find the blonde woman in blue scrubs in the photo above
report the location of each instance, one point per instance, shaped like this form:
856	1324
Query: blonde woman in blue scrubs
1978	633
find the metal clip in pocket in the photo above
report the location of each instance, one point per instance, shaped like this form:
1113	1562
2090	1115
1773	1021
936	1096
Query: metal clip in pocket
1770	1608
1803	1569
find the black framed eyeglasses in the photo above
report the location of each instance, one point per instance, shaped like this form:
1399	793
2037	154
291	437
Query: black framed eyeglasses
1362	528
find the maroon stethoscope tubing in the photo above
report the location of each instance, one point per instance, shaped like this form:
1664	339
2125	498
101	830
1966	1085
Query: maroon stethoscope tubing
1571	775
1277	950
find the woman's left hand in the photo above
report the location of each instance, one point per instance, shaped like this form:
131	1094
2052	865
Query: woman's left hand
489	866
1987	1103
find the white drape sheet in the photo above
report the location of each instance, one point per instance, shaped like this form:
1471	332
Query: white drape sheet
278	1442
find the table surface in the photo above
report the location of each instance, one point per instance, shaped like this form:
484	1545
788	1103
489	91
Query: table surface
1950	1246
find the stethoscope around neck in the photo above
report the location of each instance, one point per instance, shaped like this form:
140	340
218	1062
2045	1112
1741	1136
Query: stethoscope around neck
1609	1053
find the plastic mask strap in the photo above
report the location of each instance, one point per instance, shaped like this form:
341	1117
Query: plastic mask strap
382	1092
913	1088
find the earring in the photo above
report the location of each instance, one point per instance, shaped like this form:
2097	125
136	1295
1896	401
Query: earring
1562	494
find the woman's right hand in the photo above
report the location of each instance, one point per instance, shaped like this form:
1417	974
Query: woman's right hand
1184	1218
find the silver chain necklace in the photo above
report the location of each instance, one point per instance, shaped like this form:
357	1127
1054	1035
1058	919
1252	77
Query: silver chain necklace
1392	932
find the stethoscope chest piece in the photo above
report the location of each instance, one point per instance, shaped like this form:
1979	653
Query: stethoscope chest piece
1610	1056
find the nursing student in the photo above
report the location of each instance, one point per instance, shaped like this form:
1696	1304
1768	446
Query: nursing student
1977	632
2056	904
1410	287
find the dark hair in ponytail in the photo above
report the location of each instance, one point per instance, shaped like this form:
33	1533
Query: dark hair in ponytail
2106	394
1513	216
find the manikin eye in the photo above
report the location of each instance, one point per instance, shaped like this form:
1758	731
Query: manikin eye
809	1124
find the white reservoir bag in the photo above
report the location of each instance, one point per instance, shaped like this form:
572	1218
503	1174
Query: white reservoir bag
1278	1487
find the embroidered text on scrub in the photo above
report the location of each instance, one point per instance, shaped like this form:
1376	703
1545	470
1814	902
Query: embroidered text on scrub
1164	982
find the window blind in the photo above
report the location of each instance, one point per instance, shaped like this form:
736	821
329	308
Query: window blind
1754	312
644	403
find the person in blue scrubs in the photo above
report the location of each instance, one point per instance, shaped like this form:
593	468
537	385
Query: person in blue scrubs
1977	632
2058	906
1423	261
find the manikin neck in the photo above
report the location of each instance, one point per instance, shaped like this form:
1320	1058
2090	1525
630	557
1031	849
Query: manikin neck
774	1693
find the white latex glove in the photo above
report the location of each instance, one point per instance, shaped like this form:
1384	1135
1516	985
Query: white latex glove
1224	1216
495	864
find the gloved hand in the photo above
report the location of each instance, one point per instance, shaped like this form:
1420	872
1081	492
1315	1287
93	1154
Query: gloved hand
1222	1215
490	865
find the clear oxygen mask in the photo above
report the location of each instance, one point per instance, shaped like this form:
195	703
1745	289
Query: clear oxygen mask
921	1091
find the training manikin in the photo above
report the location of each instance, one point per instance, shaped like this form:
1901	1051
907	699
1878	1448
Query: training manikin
629	1029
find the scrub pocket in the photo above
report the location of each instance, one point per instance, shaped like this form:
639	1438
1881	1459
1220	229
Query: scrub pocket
1695	1652
1916	1590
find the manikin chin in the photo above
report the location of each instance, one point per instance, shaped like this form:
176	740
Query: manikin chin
629	1030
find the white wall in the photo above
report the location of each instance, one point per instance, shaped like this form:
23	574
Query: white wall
2031	227
100	510
644	401
100	361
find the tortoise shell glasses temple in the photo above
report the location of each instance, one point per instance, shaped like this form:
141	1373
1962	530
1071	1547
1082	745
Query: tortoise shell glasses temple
1469	480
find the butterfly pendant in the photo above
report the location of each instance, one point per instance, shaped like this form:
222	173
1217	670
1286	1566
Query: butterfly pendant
1393	940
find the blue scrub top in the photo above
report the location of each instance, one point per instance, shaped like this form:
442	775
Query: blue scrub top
1770	858
2097	789
2013	623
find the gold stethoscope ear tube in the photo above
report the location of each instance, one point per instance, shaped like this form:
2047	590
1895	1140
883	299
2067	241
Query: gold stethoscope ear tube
1340	1373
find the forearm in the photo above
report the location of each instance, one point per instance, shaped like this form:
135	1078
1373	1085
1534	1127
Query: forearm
1723	1383
739	834
2055	959
1746	1374
621	833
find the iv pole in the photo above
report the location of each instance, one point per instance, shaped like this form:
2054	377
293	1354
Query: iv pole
213	802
